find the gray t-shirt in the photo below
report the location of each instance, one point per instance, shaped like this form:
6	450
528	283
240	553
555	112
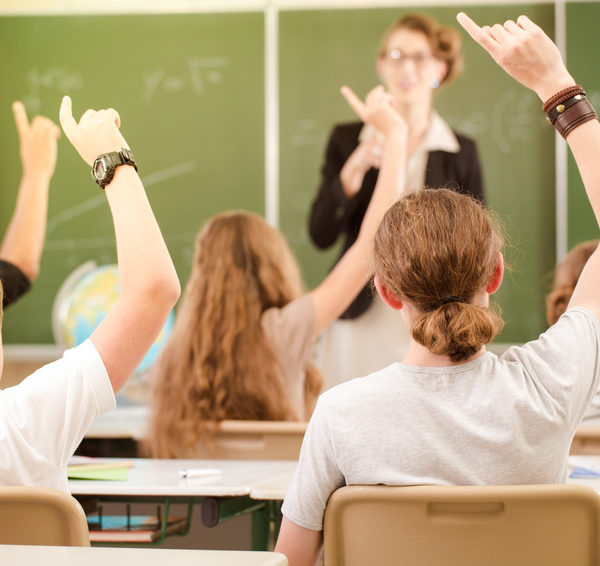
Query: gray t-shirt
495	421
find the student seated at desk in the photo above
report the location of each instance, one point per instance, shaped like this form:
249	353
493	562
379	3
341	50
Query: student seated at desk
242	343
22	245
452	413
43	419
566	275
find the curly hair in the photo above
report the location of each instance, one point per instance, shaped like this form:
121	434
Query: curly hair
437	243
444	41
566	276
218	363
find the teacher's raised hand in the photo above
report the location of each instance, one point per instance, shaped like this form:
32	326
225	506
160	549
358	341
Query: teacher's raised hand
377	109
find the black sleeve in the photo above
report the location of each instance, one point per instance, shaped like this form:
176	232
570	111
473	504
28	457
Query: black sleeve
460	171
329	209
472	180
14	282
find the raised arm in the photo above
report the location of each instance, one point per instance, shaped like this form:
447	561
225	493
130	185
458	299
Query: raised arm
526	53
355	268
24	240
148	281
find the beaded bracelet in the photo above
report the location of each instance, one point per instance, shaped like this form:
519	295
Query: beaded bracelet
561	96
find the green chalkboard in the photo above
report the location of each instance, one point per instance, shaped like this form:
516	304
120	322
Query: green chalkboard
321	50
582	39
190	91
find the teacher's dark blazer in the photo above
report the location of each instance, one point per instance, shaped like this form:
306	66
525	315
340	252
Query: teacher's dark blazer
333	214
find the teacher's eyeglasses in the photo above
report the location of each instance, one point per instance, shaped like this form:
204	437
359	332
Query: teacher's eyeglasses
398	58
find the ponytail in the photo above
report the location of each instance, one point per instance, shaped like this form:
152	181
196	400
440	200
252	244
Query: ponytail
457	330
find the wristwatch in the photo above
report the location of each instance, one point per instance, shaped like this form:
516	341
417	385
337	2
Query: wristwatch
103	169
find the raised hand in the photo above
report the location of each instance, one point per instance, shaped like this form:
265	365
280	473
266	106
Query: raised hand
37	142
524	51
97	131
377	110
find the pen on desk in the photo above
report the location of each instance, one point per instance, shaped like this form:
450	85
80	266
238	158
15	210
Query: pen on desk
199	472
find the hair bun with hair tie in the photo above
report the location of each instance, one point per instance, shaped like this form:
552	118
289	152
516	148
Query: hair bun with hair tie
446	300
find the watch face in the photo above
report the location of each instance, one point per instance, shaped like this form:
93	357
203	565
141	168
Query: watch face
99	169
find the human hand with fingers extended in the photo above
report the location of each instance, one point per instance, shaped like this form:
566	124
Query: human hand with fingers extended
96	133
377	110
524	51
37	142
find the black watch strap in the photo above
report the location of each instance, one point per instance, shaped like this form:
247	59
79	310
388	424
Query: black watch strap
110	162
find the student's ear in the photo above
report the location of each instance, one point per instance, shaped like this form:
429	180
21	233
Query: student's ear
496	278
389	298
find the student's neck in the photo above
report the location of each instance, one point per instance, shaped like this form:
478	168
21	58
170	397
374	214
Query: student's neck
420	356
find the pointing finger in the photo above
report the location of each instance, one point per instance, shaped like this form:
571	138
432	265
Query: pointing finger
20	118
478	34
355	103
68	123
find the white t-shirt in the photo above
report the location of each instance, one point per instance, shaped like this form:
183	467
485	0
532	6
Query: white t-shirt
495	421
44	418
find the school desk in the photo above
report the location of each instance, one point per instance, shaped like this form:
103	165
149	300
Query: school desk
238	489
585	470
123	422
18	555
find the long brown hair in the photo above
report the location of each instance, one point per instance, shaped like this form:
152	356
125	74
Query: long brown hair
218	363
434	244
566	276
444	41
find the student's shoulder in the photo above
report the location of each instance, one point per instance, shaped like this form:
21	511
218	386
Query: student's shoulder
575	338
359	388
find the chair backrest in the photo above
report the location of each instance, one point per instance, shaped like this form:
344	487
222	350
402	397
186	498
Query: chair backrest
586	440
255	440
467	526
41	516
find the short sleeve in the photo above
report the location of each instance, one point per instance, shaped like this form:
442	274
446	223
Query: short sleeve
317	475
52	409
564	361
14	282
290	330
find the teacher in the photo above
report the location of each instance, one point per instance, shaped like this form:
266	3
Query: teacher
416	57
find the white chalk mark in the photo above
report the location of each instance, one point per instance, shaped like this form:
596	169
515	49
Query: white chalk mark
168	173
100	200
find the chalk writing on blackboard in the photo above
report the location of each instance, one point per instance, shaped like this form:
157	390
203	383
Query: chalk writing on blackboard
54	79
200	73
100	200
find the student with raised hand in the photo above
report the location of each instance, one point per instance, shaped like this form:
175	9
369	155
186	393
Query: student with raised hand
452	413
43	419
243	337
22	245
566	275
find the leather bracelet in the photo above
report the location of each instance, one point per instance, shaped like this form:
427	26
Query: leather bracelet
562	106
562	95
578	114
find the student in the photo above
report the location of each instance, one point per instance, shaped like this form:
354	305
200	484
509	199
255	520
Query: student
566	275
43	419
416	58
452	413
21	248
242	341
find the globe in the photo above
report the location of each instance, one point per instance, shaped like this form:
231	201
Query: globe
83	301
